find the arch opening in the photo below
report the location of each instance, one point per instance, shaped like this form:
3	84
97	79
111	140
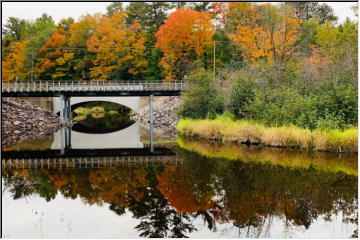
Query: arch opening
99	117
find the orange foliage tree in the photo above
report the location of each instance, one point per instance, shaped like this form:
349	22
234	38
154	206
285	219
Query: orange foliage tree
14	64
55	56
186	35
118	47
264	32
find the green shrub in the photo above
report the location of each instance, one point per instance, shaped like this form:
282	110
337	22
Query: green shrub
203	100
242	95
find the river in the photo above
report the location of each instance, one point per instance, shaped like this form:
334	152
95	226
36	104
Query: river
108	183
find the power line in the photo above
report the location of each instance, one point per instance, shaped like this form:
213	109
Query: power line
113	47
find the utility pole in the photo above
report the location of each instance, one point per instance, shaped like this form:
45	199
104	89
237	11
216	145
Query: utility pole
32	66
214	58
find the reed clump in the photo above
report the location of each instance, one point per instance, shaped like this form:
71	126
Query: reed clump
227	130
287	136
242	132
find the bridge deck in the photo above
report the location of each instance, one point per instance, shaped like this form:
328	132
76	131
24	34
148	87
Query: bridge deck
91	88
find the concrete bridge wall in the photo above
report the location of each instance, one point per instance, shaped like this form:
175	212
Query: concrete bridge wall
126	138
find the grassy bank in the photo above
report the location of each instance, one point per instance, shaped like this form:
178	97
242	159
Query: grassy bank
227	130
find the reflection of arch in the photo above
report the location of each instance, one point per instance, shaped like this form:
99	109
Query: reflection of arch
84	129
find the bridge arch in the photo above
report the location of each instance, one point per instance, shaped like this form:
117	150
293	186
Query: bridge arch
130	102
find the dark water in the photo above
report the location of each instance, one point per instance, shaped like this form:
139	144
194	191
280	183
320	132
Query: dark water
189	189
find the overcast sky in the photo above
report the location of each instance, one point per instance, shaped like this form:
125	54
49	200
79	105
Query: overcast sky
58	10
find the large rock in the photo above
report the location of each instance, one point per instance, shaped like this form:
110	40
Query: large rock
164	116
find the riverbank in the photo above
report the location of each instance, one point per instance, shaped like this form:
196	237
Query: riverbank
23	121
245	132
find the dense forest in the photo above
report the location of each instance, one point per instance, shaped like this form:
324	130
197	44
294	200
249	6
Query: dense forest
288	63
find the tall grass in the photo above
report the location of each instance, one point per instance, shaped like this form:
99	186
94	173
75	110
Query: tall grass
228	130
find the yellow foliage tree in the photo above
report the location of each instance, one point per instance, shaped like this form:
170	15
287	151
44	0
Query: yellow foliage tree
14	64
264	32
118	47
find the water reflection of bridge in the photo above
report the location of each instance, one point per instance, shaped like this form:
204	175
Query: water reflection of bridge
162	155
90	162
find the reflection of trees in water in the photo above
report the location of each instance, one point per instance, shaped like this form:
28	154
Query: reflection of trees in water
99	115
167	200
157	217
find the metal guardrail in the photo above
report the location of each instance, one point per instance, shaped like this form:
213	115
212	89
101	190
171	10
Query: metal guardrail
89	86
90	162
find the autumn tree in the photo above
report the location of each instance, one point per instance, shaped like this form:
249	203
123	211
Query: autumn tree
15	30
13	65
119	49
113	8
264	32
80	32
55	56
151	15
185	37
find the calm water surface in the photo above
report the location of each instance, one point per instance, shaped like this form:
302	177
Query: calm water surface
207	190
